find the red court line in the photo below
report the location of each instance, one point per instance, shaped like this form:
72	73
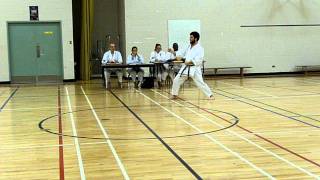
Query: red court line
61	160
251	132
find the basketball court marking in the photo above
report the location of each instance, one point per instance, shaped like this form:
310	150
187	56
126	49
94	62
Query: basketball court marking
249	89
61	153
76	141
182	161
285	110
105	134
306	123
48	146
8	99
261	137
243	138
212	139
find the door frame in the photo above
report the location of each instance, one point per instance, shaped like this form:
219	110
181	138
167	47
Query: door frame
8	23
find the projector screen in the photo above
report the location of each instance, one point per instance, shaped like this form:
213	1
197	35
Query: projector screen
179	30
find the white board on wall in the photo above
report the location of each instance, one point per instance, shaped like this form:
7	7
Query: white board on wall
179	31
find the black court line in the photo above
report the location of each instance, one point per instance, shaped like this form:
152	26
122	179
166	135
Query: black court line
8	99
259	136
41	126
184	163
272	106
309	124
297	90
308	115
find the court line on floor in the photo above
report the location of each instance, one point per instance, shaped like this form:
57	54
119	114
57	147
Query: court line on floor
212	139
61	156
308	81
267	97
285	110
50	146
8	99
243	138
257	98
256	91
76	141
307	115
268	110
296	90
54	107
49	95
105	134
261	137
180	159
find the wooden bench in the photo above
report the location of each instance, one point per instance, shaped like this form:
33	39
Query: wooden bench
240	67
308	68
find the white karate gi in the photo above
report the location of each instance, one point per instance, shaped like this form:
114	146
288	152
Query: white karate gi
107	58
138	59
194	54
162	70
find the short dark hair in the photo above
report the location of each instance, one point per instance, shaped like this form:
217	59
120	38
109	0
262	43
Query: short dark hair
134	47
175	46
196	35
157	45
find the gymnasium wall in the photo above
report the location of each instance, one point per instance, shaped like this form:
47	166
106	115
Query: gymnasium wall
225	42
49	10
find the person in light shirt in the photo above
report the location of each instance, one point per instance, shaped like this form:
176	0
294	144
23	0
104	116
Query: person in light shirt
172	55
110	57
193	59
159	56
135	58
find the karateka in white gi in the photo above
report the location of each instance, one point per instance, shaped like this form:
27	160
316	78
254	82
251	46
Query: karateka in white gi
193	59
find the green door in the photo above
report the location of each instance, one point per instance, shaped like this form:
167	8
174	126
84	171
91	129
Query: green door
35	52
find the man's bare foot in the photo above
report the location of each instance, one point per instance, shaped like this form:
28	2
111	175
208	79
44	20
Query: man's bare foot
173	97
211	97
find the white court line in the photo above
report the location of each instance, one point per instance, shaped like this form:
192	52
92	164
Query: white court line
245	139
76	141
278	97
212	139
259	92
277	132
49	146
48	107
283	97
105	134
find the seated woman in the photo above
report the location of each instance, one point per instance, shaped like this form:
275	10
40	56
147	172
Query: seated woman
135	58
159	56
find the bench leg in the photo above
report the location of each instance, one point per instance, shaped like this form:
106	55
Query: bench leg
215	71
241	72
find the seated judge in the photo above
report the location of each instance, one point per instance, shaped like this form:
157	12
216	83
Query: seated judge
159	56
111	57
135	58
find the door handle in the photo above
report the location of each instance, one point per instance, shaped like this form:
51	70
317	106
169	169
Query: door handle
38	50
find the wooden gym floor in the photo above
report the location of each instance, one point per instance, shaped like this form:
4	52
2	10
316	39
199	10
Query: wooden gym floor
256	128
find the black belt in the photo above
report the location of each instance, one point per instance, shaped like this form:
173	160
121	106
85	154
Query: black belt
187	66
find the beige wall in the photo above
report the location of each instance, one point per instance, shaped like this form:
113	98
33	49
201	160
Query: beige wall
49	10
225	43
